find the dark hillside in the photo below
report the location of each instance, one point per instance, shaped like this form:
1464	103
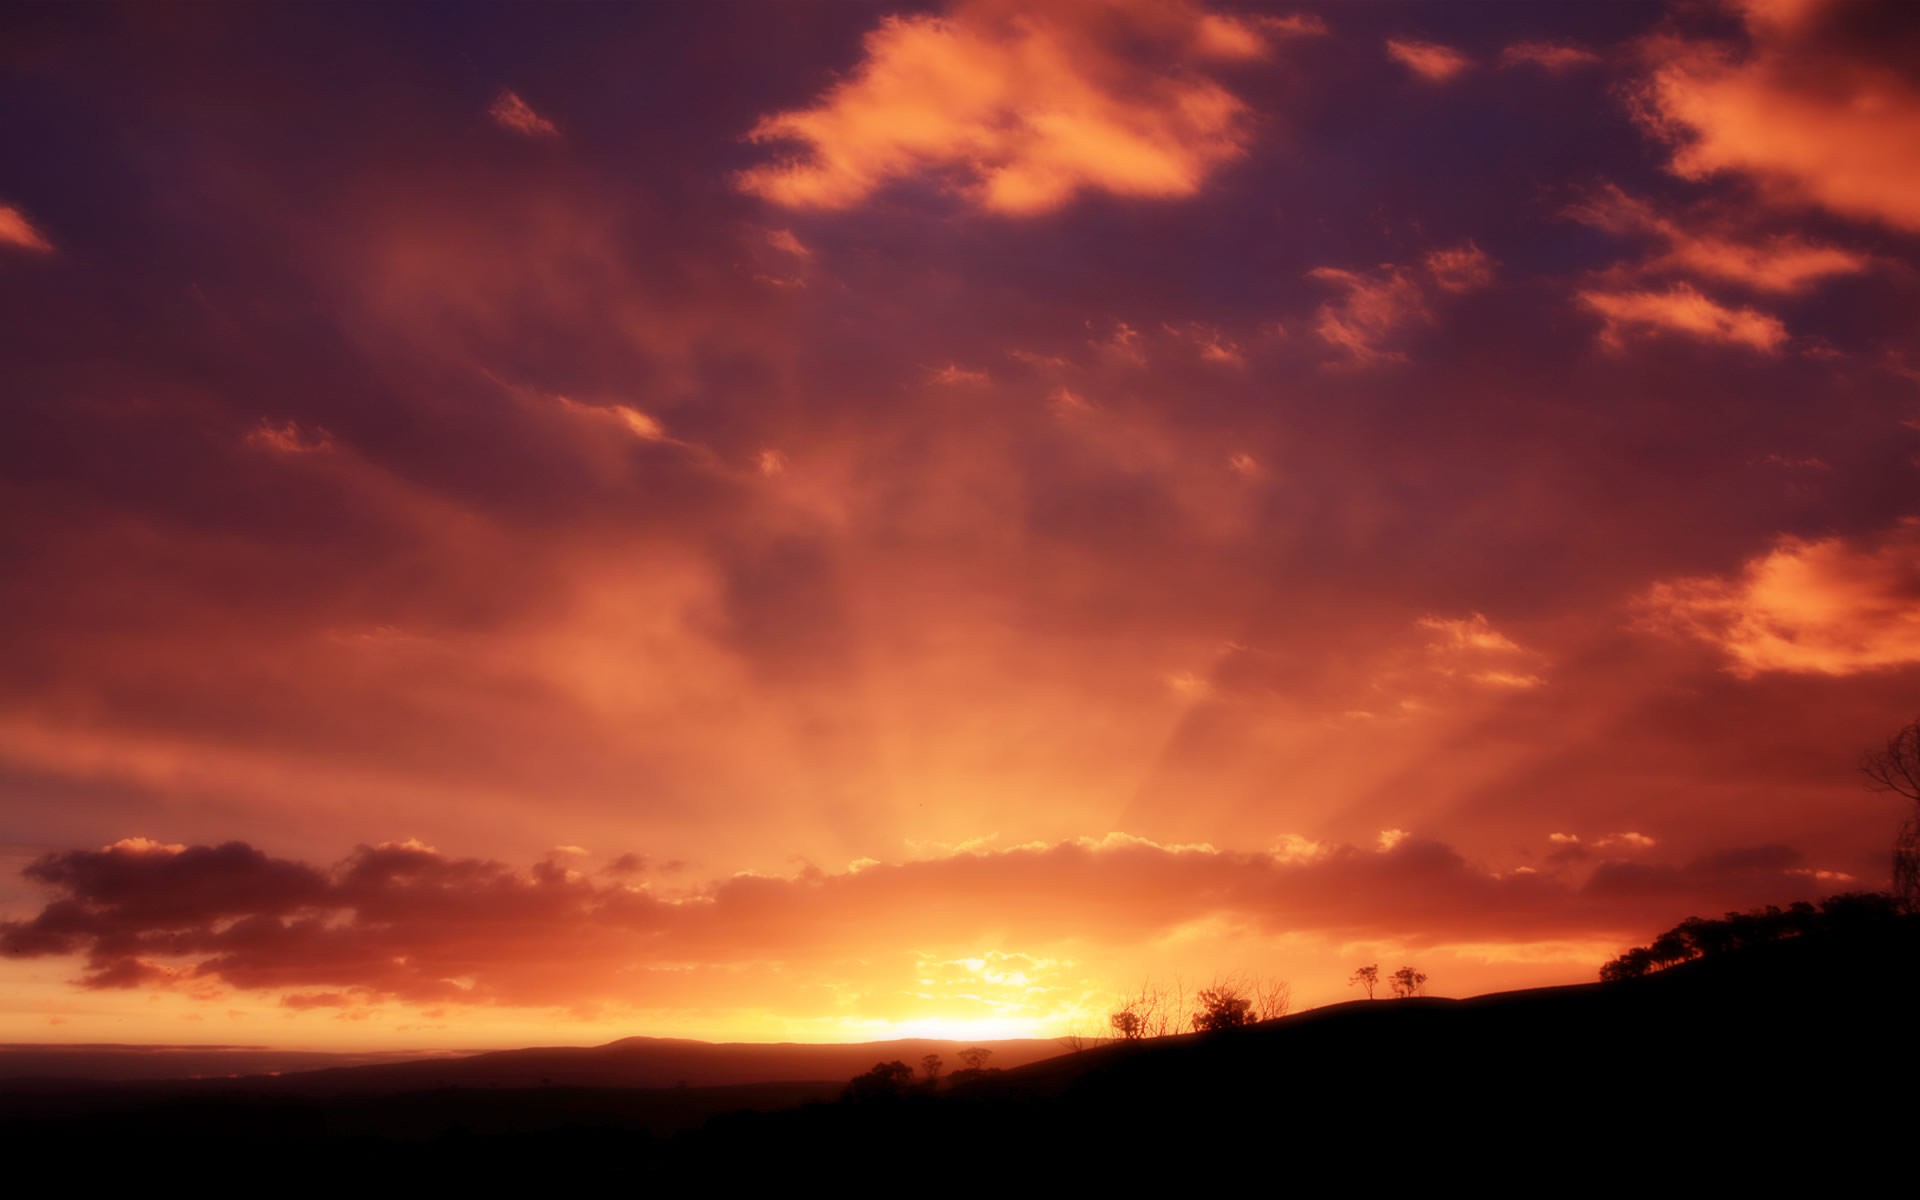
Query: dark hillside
1785	1061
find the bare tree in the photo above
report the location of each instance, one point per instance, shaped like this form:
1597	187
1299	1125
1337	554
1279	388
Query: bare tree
1895	768
1170	1014
1155	1010
1367	977
1272	998
1077	1038
1408	982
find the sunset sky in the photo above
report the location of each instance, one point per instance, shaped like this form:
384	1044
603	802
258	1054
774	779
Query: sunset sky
811	520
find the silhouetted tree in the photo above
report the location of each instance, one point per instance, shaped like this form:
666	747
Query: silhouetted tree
1708	938
1634	964
1667	949
930	1067
1895	768
974	1058
1408	982
1223	1006
1858	912
1271	998
1849	916
1156	1010
1367	977
885	1081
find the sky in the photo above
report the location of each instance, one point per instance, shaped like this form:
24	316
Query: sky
813	521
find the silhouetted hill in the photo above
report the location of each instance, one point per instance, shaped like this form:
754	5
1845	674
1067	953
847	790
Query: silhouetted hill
636	1062
1784	1064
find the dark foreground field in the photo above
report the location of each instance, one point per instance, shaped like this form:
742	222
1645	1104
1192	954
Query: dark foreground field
1791	1065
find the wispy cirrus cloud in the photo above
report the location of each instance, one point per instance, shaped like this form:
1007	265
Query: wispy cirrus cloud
20	233
1782	263
1683	311
1429	61
515	115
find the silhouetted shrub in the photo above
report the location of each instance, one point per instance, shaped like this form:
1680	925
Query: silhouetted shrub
1223	1006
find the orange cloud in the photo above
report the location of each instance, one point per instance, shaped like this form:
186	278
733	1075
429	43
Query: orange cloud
784	241
1373	308
1471	648
1682	310
1782	263
1468	633
1429	60
1822	607
17	231
635	422
512	113
1376	305
1816	107
1020	111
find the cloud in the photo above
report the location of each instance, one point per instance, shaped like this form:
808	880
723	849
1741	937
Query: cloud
1292	25
1508	679
288	437
952	376
1428	60
1472	649
1373	308
1630	839
784	241
1467	633
1460	268
1020	111
18	232
1818	104
1682	310
1781	263
1548	56
1621	879
1376	305
512	113
406	922
1214	346
1822	607
635	422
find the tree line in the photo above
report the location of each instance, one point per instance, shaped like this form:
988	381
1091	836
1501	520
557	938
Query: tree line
1848	915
